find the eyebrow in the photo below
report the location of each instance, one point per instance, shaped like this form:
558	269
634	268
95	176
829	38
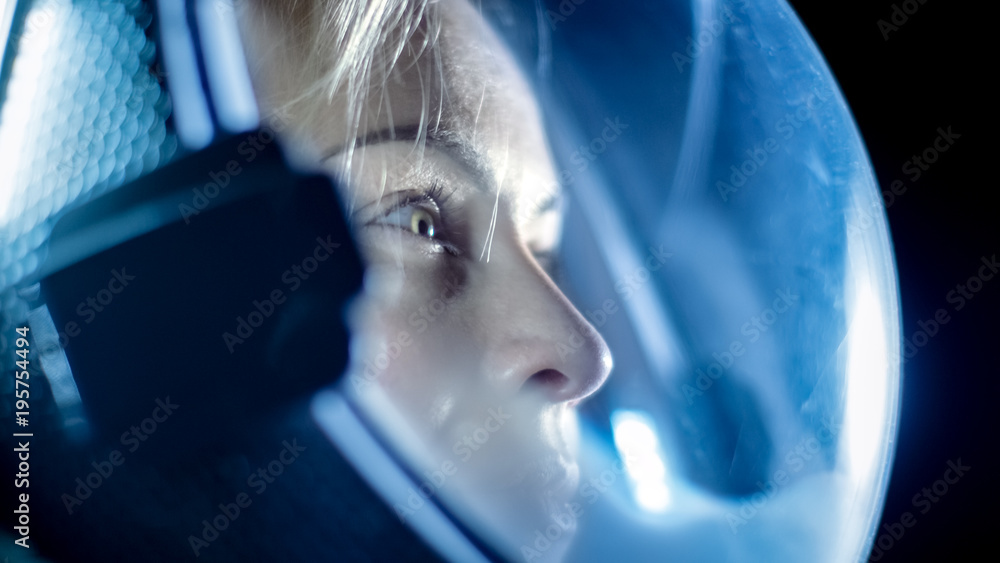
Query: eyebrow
550	203
458	148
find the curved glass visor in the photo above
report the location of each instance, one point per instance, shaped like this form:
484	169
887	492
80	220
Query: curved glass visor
628	288
716	230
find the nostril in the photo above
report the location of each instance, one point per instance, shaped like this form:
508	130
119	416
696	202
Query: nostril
549	381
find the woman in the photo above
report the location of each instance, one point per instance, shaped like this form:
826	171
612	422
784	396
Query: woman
757	415
448	179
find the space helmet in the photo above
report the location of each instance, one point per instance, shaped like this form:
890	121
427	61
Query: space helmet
180	291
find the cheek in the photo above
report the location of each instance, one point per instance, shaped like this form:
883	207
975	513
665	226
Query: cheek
424	376
413	341
405	270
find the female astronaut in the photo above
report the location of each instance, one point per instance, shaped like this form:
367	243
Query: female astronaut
448	180
468	363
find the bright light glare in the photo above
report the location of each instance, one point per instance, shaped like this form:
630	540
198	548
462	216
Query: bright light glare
867	367
638	445
42	24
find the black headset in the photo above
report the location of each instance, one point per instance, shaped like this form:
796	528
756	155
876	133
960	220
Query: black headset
183	329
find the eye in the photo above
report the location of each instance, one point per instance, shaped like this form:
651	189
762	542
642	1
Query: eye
415	218
422	214
548	260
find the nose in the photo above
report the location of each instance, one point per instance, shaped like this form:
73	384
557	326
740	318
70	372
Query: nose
538	341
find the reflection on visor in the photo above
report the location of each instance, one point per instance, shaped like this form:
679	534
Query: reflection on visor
527	287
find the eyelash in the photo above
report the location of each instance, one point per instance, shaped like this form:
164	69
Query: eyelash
550	264
439	210
435	194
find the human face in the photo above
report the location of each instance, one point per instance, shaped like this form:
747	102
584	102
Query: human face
462	331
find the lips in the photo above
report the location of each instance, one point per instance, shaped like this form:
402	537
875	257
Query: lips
551	475
530	455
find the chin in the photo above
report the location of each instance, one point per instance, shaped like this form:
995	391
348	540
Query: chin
539	519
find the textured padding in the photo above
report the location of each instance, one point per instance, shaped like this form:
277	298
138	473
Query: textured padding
84	111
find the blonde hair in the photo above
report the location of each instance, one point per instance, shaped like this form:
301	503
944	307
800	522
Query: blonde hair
303	54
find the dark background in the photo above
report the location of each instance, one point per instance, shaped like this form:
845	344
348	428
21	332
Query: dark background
931	73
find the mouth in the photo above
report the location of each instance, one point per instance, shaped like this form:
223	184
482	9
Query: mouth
552	475
541	468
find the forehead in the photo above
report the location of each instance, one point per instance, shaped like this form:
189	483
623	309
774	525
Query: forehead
463	95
